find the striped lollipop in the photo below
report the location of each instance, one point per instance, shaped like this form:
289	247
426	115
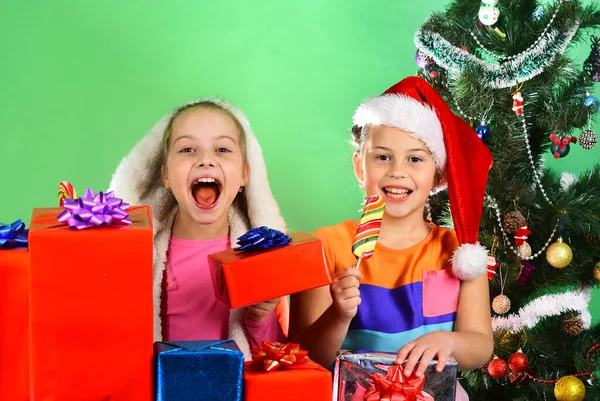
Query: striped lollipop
368	228
66	190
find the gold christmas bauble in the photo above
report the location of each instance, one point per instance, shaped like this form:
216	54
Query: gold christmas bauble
524	251
501	304
597	272
559	254
569	388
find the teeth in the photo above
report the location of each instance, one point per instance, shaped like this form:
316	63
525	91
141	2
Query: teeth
206	179
397	191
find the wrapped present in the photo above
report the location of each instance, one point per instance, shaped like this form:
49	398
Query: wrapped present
373	377
91	302
14	312
267	266
283	372
198	370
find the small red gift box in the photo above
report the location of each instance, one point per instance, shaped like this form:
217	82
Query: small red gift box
91	309
14	315
245	278
283	372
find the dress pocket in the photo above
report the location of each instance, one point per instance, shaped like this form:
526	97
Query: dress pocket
440	292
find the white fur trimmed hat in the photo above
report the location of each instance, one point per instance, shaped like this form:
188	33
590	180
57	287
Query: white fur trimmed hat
412	105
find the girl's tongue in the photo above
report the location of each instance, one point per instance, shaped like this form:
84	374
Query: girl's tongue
206	193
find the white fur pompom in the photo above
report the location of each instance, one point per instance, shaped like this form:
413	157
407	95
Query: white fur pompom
469	261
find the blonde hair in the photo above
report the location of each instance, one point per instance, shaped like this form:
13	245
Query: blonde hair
168	133
158	161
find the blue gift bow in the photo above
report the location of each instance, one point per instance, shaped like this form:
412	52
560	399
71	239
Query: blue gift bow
13	236
262	238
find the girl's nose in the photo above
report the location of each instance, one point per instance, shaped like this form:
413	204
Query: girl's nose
205	159
398	170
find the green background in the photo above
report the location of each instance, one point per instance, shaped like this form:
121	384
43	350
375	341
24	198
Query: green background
83	81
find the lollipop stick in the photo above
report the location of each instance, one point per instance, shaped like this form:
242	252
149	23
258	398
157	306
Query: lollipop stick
358	263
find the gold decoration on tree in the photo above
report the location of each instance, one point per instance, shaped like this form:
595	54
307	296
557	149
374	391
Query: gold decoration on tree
569	388
509	340
513	221
596	272
559	254
573	326
501	304
524	250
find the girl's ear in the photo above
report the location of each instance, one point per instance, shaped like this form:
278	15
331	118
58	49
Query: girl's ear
357	160
245	174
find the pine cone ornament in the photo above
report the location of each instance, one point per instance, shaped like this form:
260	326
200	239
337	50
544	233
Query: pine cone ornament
573	326
513	221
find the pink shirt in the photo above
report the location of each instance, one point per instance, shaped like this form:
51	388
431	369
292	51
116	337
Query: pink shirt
192	310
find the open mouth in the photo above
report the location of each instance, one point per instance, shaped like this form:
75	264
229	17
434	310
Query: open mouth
206	192
397	193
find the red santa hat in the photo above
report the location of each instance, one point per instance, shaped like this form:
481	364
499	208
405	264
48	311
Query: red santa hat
412	105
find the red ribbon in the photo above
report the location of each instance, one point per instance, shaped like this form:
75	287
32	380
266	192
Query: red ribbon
396	386
273	356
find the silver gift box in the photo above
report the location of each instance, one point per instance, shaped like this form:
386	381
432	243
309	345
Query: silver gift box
353	377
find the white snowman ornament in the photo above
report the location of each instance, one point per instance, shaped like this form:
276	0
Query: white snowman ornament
489	12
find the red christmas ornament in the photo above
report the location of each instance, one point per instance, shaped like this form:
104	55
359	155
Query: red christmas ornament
433	74
557	155
574	139
517	103
463	48
566	140
492	265
521	235
553	136
498	368
518	361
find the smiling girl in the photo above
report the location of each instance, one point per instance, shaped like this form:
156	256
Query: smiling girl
424	292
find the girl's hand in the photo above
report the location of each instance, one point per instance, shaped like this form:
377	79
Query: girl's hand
435	345
345	293
261	310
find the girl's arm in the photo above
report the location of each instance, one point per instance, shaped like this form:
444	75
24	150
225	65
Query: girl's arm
473	326
262	323
471	343
319	318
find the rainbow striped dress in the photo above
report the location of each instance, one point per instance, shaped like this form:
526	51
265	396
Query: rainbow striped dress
405	293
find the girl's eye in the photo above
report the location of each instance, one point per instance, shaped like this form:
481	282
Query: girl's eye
383	157
415	159
186	150
223	150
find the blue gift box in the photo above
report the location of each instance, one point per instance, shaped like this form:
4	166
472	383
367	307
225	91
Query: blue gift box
198	370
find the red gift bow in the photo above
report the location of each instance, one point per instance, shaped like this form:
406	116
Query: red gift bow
272	356
396	386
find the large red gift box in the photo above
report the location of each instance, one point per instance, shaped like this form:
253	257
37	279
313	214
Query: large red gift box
246	278
14	318
91	309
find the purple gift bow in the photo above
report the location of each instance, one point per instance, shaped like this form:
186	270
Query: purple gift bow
94	210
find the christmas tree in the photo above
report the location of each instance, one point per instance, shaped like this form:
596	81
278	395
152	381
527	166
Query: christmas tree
504	66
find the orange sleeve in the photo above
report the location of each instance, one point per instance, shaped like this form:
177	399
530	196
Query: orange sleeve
328	248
